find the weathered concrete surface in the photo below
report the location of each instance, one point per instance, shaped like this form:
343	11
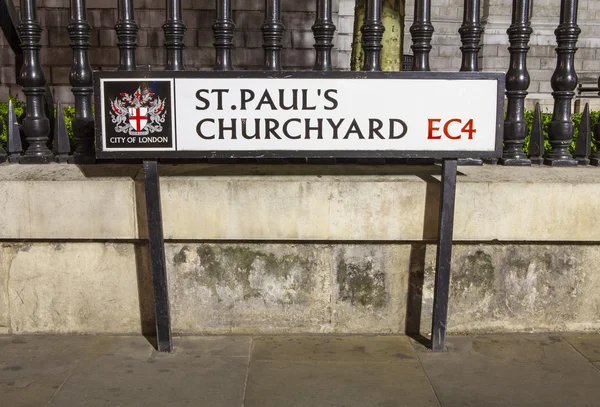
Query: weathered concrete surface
336	371
334	203
127	371
369	288
84	288
316	370
511	370
33	368
300	288
4	313
586	344
519	288
238	288
62	202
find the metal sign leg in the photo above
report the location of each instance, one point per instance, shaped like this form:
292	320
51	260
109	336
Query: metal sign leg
157	256
444	255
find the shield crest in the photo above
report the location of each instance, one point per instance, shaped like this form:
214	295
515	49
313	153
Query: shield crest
138	117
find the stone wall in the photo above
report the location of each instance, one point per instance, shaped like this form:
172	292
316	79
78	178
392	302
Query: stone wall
296	249
298	17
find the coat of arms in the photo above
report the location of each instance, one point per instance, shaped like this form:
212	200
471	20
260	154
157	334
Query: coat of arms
138	114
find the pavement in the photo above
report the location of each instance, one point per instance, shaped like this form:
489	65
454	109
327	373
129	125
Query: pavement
288	371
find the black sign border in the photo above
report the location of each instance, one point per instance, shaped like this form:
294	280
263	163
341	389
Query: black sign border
194	155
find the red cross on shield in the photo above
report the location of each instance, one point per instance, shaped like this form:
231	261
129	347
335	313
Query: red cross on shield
138	117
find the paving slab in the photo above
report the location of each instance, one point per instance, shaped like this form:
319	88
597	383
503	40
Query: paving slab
336	371
32	368
511	370
586	344
128	371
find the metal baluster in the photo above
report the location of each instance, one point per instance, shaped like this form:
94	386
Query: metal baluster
323	31
372	33
517	83
81	81
421	33
595	159
470	36
564	81
36	124
127	30
61	146
174	29
536	139
223	31
14	145
272	30
583	146
3	155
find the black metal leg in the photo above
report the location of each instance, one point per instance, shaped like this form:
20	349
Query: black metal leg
444	255
157	256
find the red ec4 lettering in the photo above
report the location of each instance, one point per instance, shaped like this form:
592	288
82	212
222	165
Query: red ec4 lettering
438	128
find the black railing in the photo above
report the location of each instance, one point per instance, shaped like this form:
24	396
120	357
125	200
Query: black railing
40	133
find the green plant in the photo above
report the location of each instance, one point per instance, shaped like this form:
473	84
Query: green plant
69	113
19	111
547	118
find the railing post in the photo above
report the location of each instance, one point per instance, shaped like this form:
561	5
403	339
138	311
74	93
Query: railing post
372	33
323	31
470	36
36	124
564	81
80	78
223	31
174	29
517	83
595	159
127	30
536	139
13	142
421	33
3	155
272	31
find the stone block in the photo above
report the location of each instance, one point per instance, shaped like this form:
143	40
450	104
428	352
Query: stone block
302	39
7	75
344	42
56	56
369	288
345	25
60	206
346	8
60	75
58	37
58	18
103	18
297	59
200	4
108	38
248	287
200	58
298	20
103	56
66	288
526	287
247	58
4	307
63	94
248	20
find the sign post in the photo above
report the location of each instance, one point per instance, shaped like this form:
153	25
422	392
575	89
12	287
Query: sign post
182	116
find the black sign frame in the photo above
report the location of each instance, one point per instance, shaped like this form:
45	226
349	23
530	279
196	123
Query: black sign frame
190	156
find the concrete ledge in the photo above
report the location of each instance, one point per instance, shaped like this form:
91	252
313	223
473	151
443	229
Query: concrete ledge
298	288
337	203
